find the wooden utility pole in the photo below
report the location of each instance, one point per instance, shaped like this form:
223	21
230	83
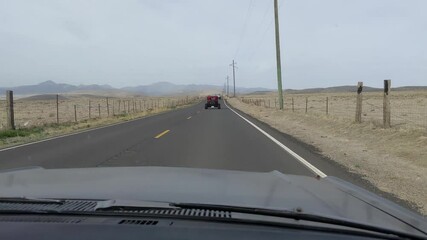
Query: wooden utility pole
386	105
233	64
278	61
359	102
9	110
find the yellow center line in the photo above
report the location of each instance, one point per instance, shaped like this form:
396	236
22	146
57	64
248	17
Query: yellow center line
189	117
161	134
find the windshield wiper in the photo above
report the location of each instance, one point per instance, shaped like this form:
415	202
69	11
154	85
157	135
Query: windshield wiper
31	200
300	216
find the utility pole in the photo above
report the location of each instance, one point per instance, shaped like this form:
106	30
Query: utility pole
228	86
234	78
279	64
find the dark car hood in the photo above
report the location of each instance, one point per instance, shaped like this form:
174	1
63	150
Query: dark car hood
327	196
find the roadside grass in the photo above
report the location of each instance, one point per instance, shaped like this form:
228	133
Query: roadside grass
20	132
9	138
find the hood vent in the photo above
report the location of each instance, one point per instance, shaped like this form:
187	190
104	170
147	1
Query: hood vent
42	219
67	205
180	212
139	222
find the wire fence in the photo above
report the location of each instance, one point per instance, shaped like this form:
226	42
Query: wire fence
408	109
28	113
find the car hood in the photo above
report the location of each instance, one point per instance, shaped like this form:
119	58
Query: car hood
324	196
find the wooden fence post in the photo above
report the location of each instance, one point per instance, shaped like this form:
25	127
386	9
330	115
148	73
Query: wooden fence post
293	109
75	113
113	109
89	109
327	105
9	111
57	109
386	104
306	104
108	108
359	102
99	110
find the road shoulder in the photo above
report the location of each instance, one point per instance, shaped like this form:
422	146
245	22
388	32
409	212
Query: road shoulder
333	153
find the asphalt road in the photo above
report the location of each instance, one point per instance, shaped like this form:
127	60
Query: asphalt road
188	137
192	137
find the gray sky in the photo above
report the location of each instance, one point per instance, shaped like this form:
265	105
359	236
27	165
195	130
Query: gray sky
126	43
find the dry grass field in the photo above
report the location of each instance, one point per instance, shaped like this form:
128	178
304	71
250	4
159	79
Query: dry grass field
408	108
394	159
42	110
36	116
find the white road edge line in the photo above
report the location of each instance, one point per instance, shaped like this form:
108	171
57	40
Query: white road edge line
75	133
298	157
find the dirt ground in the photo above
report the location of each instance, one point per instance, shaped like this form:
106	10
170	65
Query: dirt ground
394	160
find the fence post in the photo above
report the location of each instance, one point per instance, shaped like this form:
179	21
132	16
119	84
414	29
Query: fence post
293	109
9	110
57	109
99	110
306	104
75	113
89	110
359	102
108	108
113	109
327	105
269	103
386	104
128	106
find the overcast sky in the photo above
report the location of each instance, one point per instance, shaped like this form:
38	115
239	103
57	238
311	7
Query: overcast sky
129	42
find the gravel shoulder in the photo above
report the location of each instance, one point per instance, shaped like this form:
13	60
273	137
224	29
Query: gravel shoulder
394	160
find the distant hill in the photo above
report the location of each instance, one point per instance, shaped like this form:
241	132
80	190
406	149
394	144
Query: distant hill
166	88
341	89
43	97
50	87
338	89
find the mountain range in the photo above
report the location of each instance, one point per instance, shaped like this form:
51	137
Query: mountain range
155	89
166	88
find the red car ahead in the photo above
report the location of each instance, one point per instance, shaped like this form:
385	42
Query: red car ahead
211	102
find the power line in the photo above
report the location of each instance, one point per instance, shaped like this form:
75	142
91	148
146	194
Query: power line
255	49
248	13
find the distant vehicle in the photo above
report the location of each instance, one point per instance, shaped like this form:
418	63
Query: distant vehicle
212	102
219	96
190	203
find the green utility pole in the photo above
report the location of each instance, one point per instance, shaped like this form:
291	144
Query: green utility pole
279	64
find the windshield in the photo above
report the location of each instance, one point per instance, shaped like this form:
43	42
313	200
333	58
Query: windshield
299	105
